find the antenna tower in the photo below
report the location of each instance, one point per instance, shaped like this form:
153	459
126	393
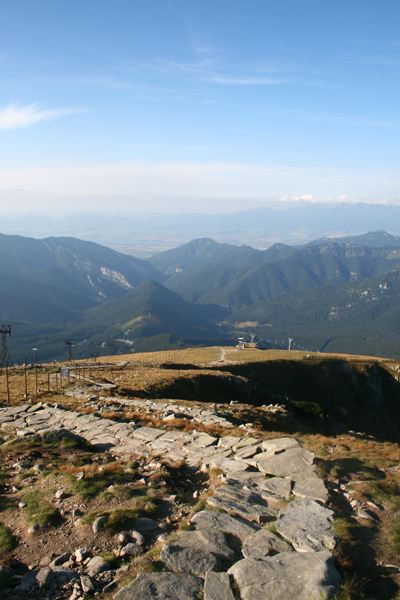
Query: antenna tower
111	346
5	355
70	344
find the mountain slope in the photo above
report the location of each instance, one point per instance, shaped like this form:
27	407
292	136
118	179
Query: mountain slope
310	267
149	317
361	317
56	279
151	298
72	265
206	253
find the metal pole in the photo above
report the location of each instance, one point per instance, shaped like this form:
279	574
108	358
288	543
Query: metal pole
36	379
48	381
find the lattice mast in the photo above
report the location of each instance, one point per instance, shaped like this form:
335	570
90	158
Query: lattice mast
69	343
6	360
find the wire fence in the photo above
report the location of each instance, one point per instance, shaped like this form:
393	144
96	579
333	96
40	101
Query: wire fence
31	381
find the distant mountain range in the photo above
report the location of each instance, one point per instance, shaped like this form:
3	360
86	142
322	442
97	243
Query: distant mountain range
373	239
261	228
329	295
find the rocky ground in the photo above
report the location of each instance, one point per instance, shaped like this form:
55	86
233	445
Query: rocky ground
117	497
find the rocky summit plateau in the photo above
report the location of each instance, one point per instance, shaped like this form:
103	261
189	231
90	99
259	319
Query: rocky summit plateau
108	495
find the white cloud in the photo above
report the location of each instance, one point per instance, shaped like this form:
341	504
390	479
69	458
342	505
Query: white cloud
13	116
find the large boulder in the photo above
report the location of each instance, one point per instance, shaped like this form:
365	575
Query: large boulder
197	552
308	525
161	586
288	575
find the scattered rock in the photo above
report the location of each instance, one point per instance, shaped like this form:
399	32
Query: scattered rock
60	560
60	494
131	549
146	524
99	523
97	565
87	585
82	554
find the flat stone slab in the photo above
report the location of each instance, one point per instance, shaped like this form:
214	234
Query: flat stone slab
308	525
204	440
227	465
247	451
148	434
197	552
217	587
161	586
264	542
247	441
213	520
218	454
279	445
244	478
239	495
252	512
288	575
313	488
277	486
228	441
287	462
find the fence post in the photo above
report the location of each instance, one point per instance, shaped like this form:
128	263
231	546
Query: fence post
26	383
8	389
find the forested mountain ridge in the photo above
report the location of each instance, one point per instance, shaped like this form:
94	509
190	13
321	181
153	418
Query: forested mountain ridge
206	253
312	266
335	296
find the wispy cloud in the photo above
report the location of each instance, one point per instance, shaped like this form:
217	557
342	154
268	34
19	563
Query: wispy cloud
342	199
13	116
234	80
212	66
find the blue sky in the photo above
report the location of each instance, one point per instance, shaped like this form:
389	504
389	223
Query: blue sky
186	106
